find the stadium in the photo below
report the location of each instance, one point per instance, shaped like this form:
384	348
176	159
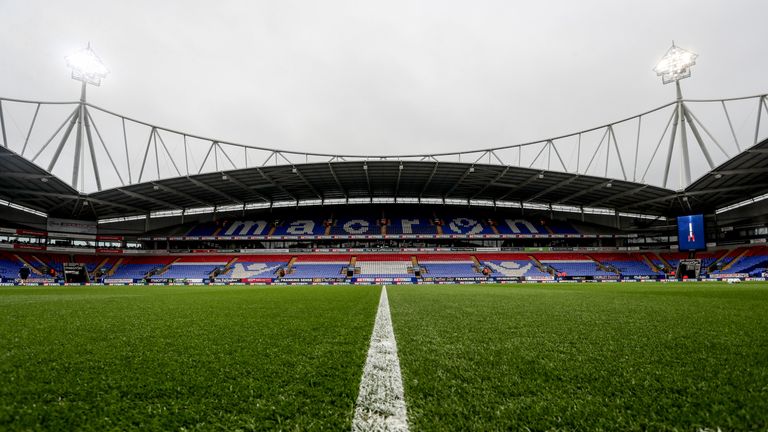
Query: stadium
610	278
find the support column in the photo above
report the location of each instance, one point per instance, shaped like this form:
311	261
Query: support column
683	136
79	138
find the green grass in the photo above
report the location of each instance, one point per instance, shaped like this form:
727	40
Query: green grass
584	356
473	357
182	358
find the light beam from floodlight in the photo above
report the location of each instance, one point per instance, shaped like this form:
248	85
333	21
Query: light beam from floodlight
87	66
675	65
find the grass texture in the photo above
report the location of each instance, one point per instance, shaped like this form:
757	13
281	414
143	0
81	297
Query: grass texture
604	356
182	358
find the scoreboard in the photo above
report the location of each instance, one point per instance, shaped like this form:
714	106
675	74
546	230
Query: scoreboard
690	233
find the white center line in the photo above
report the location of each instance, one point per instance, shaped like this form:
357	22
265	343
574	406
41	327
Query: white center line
380	403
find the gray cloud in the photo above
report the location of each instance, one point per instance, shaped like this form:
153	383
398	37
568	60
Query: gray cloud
381	77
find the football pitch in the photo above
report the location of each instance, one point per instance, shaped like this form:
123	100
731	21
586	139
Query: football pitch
473	357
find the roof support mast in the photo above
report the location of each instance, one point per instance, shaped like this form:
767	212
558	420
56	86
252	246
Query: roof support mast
88	69
674	66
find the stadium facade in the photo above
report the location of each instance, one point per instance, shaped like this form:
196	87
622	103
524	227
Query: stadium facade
574	207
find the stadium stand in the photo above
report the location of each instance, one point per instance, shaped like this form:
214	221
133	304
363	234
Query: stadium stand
139	267
627	264
398	223
410	224
297	227
753	261
511	265
317	266
253	267
750	261
575	264
448	265
455	224
355	226
192	267
9	266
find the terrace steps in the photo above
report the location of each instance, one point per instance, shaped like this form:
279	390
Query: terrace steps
714	264
272	230
100	265
227	267
163	269
289	266
649	263
414	264
663	261
41	262
735	259
540	266
111	271
32	268
602	266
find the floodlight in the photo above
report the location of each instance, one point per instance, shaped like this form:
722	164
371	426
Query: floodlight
87	66
675	65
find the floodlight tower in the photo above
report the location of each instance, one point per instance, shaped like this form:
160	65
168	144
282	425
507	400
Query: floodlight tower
87	68
674	66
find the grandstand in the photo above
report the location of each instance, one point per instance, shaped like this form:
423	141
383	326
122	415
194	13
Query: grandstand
573	209
515	213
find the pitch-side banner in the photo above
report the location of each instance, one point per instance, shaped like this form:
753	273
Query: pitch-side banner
71	226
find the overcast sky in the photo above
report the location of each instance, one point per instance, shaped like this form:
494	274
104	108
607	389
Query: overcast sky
382	77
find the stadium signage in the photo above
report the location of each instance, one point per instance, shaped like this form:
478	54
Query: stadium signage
506	279
29	246
72	226
731	275
31	233
385	236
117	281
109	251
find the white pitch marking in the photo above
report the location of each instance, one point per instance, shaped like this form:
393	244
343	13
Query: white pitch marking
380	403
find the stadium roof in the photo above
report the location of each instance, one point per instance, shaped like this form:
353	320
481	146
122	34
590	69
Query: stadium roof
24	183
